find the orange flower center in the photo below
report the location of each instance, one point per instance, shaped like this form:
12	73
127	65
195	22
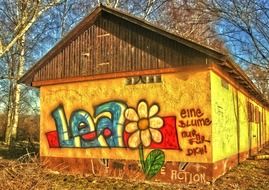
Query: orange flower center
143	124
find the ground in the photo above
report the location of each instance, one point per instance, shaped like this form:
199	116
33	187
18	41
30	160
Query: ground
25	172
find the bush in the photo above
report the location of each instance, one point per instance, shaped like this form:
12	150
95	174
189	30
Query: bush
28	127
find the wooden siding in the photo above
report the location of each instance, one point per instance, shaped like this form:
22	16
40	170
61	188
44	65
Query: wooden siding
113	45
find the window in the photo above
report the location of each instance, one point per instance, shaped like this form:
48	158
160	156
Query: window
224	84
257	115
250	108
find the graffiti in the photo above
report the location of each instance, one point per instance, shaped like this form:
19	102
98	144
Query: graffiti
180	172
133	167
185	173
117	165
144	126
82	131
191	113
169	135
163	172
104	162
114	125
118	168
183	165
199	167
197	150
193	118
188	177
109	128
53	139
194	138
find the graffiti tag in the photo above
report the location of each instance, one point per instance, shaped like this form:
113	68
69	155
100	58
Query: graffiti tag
193	118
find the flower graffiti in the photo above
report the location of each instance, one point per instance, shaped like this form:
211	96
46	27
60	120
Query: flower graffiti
116	125
144	125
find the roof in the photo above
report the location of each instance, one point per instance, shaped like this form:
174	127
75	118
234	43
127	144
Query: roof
239	75
225	62
90	19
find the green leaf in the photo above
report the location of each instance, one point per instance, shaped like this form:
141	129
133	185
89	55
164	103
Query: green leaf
154	163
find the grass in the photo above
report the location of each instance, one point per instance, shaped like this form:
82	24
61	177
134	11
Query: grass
24	171
18	149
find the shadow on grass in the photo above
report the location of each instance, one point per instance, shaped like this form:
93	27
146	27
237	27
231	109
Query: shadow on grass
17	149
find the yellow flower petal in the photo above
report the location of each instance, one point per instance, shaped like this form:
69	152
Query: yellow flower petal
142	110
156	135
134	140
153	110
131	127
145	137
155	122
131	114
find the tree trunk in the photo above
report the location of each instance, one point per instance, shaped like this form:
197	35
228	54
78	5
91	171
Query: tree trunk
9	114
14	124
14	96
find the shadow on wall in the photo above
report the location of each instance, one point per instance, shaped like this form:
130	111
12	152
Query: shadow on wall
28	127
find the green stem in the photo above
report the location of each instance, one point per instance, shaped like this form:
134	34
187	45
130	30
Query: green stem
141	156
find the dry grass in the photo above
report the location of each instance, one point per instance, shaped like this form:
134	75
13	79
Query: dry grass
19	174
27	173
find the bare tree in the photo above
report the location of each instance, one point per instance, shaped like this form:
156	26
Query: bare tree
244	27
17	17
190	20
25	13
260	77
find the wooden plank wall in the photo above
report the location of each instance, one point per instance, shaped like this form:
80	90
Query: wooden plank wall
114	45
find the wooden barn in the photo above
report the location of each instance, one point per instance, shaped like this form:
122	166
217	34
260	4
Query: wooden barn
123	98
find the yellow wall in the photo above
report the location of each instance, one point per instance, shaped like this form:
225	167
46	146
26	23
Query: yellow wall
224	138
175	96
178	91
266	125
230	125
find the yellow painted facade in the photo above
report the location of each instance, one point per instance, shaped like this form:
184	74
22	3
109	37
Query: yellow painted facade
220	105
178	95
232	133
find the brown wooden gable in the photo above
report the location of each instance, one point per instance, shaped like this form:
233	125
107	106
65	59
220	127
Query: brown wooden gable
109	41
113	45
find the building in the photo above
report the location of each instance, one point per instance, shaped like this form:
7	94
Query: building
120	97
